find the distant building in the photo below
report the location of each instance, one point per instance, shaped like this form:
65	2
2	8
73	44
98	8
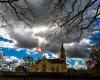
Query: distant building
50	65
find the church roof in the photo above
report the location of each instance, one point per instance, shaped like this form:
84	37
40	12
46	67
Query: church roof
55	61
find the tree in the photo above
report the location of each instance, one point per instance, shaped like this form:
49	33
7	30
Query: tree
71	16
76	18
28	61
95	59
95	56
89	64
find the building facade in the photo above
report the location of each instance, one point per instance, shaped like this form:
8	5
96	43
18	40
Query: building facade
50	65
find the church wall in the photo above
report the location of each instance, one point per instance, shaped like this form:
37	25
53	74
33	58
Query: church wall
50	67
47	64
59	68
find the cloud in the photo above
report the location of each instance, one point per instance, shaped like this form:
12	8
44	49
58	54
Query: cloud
5	39
30	37
36	13
24	39
11	59
50	55
6	44
84	42
53	47
77	49
80	49
10	62
4	32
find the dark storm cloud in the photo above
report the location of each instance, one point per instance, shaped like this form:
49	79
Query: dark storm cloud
53	47
25	41
35	13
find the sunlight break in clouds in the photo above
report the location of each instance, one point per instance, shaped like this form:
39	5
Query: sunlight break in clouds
40	33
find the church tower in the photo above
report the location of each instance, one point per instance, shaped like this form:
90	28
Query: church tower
63	58
62	54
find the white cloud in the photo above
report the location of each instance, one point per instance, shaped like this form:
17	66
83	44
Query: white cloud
41	28
15	61
68	45
6	44
11	59
50	55
84	42
5	33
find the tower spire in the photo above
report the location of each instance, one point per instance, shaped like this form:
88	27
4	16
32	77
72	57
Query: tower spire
62	51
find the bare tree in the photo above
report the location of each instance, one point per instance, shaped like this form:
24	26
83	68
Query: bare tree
71	16
77	17
94	60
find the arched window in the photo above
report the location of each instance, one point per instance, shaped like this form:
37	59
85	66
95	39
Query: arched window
35	68
52	68
43	68
57	68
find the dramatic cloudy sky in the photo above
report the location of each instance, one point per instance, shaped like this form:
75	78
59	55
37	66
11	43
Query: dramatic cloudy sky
19	39
16	34
28	40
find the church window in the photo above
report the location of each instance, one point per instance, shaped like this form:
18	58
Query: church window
35	68
52	69
57	68
44	68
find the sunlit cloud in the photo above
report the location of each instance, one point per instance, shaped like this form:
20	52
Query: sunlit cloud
6	44
84	42
40	29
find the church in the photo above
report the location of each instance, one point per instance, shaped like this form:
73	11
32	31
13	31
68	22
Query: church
50	65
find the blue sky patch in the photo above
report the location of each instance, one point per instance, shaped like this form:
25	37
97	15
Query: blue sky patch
97	21
95	39
6	40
